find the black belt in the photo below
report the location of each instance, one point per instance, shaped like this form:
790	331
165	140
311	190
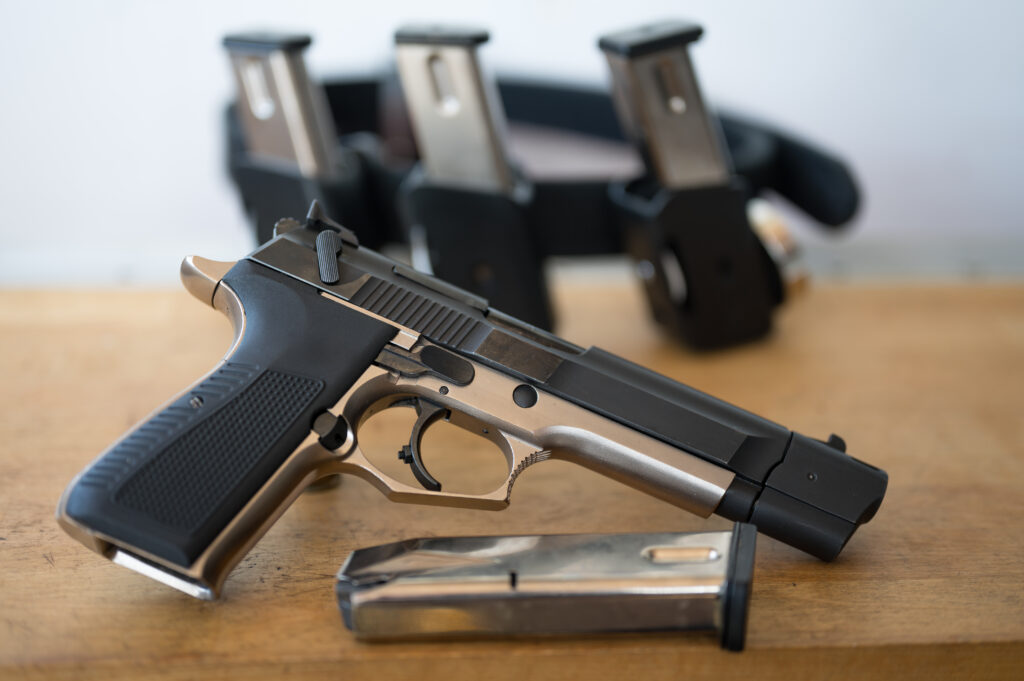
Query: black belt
567	217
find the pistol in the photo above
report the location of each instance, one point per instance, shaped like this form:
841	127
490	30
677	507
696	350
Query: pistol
328	333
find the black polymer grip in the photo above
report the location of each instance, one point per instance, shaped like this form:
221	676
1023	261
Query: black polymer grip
171	485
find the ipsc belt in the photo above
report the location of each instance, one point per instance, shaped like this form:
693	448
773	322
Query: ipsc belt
424	160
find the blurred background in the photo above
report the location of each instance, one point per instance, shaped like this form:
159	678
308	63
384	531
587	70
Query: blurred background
112	142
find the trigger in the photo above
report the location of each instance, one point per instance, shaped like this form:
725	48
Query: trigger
410	453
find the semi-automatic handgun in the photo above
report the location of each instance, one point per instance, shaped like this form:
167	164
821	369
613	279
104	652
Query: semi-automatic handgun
328	333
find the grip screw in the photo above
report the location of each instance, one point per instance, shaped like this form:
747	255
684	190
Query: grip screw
195	402
333	430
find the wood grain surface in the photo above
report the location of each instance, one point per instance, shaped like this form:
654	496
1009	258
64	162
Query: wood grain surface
924	381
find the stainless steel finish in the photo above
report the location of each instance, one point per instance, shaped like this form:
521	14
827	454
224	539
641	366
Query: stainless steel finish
284	115
171	579
200	276
405	338
484	406
456	116
552	428
285	225
660	105
536	584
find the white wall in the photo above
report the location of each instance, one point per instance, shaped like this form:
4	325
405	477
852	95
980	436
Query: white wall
111	145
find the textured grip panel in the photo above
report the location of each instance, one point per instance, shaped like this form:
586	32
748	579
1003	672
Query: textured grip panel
174	482
182	484
110	471
172	485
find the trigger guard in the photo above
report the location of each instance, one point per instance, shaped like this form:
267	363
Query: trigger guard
410	453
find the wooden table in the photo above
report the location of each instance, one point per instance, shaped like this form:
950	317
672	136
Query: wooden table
924	381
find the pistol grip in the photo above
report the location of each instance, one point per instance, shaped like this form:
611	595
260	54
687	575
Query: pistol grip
175	482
